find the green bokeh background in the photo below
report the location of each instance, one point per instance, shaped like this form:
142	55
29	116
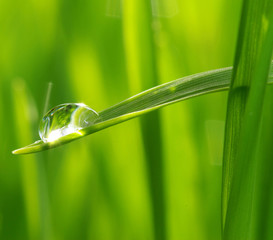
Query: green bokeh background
98	187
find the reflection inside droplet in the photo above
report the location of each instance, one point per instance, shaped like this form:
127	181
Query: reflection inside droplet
65	119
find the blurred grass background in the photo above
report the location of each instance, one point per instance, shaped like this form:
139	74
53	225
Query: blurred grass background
97	52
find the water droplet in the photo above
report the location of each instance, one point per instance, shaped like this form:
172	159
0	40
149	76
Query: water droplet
65	119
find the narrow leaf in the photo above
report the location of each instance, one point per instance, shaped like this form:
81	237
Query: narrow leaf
147	101
252	64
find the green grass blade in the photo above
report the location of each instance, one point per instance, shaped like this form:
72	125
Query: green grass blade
147	101
32	172
142	71
263	205
252	64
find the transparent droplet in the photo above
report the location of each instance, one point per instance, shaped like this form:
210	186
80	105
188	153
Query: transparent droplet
65	119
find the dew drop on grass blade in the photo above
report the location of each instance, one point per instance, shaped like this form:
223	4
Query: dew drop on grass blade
65	119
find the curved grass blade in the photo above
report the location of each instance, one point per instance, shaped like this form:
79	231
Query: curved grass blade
147	101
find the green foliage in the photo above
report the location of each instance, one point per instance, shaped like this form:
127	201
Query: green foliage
155	177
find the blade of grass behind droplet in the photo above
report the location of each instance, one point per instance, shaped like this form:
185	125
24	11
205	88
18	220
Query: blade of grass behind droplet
85	65
252	63
30	179
141	62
